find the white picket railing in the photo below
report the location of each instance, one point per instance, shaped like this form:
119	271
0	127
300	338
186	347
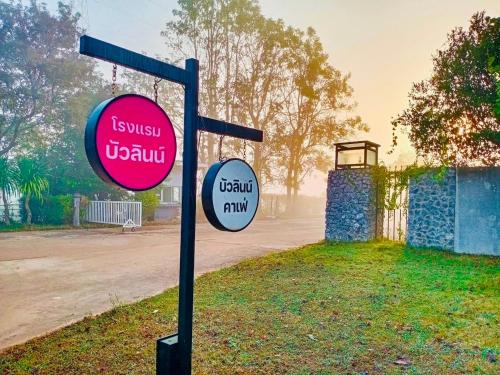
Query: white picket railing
126	214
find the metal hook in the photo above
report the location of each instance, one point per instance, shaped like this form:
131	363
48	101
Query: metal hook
220	147
155	88
113	80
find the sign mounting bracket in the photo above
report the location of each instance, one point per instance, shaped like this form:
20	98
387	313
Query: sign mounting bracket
227	129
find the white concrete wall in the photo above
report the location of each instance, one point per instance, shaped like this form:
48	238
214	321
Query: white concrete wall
14	207
477	211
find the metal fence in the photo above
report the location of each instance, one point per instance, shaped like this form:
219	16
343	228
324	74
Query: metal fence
14	212
126	214
392	215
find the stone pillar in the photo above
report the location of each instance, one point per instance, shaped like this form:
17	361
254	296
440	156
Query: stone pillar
351	207
431	210
76	209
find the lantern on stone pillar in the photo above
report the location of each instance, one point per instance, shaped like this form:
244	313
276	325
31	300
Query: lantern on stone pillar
361	154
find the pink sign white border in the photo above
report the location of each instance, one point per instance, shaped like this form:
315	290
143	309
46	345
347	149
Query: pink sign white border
91	146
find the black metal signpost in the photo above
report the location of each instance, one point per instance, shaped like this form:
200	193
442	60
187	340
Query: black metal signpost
173	353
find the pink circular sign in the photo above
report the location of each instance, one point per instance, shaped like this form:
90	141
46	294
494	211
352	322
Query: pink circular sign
130	142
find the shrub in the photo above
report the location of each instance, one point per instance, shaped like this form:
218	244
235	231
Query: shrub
150	201
52	209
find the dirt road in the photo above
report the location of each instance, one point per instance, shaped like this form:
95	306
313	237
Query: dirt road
50	279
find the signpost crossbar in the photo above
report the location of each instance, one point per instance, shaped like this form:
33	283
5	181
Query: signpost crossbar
225	128
117	55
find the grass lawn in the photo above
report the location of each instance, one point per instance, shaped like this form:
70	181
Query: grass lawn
322	309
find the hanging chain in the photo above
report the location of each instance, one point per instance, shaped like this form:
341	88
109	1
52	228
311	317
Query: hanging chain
199	138
113	81
155	87
220	147
245	149
199	142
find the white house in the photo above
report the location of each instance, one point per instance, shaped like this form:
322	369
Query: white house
14	207
171	192
170	195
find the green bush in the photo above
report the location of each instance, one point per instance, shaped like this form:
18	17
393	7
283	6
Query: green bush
150	201
52	209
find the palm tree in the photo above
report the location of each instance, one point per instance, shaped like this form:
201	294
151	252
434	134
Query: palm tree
8	184
31	182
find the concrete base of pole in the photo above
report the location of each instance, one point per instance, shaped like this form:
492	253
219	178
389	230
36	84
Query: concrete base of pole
167	360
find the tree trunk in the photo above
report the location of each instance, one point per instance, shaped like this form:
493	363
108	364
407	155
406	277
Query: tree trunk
295	184
295	194
27	208
288	198
210	149
6	215
288	183
257	162
291	182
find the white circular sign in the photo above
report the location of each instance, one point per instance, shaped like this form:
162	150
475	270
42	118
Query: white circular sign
230	195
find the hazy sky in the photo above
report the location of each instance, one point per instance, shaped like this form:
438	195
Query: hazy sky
385	45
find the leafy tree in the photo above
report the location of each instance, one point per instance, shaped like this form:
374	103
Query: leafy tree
452	115
31	182
8	184
64	159
40	69
46	93
494	68
169	96
52	209
316	111
259	86
261	73
213	31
